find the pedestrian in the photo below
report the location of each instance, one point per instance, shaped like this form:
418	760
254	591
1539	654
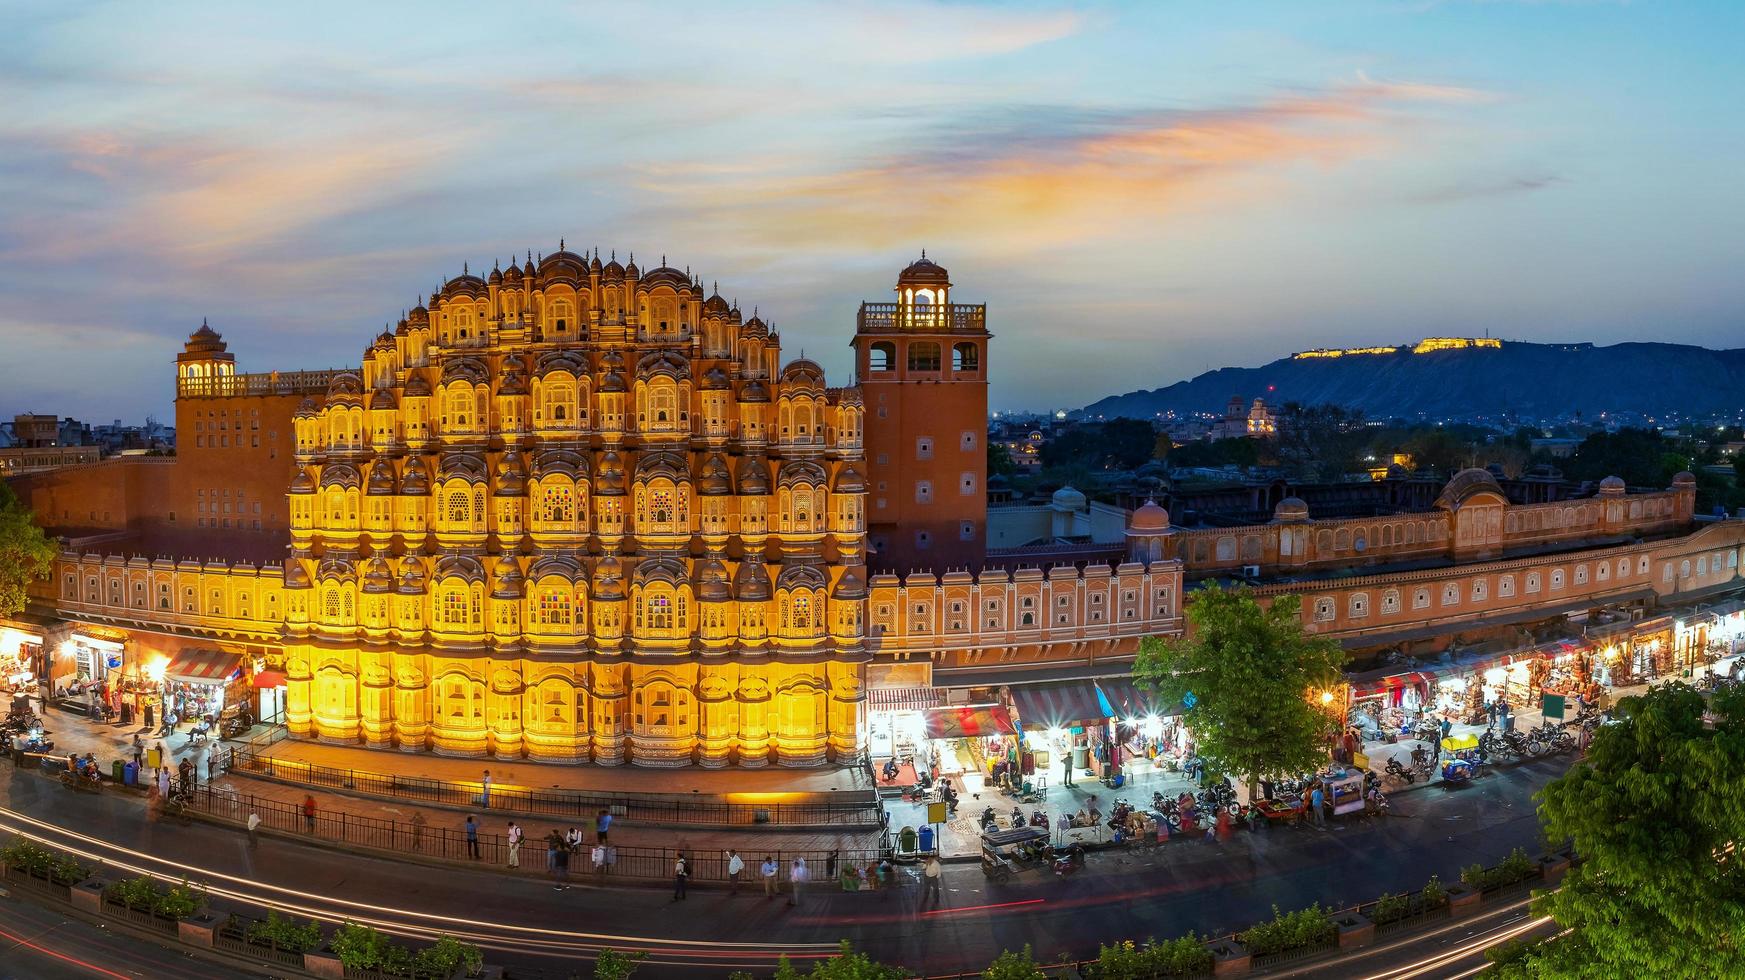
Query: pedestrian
211	765
1066	765
830	866
553	841
797	875
472	829
309	811
514	845
485	790
563	861
680	872
1315	801
163	783
418	830
602	824
930	880
769	870
138	753
735	866
254	826
599	857
148	713
886	878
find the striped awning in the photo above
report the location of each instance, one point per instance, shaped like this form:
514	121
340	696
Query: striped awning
1057	705
1126	699
1382	685
902	698
202	666
965	720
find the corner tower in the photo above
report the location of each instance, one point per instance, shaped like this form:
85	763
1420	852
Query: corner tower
922	365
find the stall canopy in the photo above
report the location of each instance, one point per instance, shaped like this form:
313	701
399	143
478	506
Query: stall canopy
964	720
269	678
202	666
1057	705
902	698
1122	698
1383	685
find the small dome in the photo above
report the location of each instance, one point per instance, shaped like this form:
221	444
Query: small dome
754	392
608	578
513	384
412	579
715	380
751	582
803	372
414	482
753	477
377	576
382	400
924	272
512	274
715	479
1614	484
712	581
296	576
613	382
506	570
610	479
1066	498
496	277
1291	510
1149	517
205	340
511	478
307	409
849	480
303	482
715	306
1684	478
755	327
417	387
381	481
852	584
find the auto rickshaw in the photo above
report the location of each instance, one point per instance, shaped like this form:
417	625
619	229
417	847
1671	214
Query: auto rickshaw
1009	852
1459	759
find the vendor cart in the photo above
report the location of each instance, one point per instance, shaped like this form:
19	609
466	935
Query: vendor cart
1345	793
1281	811
1009	852
1460	759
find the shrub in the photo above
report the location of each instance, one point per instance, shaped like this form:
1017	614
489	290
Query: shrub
847	964
138	894
1014	966
181	901
1390	908
613	965
1292	930
283	932
1183	956
1435	896
40	862
446	957
360	947
1516	867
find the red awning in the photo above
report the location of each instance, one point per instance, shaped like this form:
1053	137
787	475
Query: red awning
1383	685
269	678
202	666
961	721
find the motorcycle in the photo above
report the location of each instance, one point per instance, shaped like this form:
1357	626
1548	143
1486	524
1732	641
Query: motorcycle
1069	860
1419	768
990	822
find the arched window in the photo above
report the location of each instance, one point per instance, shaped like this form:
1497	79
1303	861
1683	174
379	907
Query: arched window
660	613
555	607
966	357
663	406
557	505
460	408
881	357
459	508
561	316
802	622
924	356
330	604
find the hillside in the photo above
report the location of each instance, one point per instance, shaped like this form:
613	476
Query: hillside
1527	379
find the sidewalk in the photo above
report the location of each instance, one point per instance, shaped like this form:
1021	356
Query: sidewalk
77	735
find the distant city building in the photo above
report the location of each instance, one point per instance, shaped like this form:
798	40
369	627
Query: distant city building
1244	421
44	442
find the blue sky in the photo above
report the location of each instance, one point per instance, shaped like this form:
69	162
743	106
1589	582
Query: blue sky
1138	191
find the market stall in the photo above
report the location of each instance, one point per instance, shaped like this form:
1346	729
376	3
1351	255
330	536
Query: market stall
199	681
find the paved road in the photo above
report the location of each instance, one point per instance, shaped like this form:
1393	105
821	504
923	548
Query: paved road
39	944
1210	888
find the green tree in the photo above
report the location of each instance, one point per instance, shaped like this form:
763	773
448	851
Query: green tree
1656	812
1319	442
1254	677
26	554
1000	460
847	964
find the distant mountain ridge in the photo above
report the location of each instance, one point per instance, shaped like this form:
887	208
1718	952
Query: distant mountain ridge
1443	377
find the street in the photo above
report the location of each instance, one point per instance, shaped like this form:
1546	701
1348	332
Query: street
1186	884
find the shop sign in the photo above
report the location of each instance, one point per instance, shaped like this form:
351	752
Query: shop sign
936	813
1552	706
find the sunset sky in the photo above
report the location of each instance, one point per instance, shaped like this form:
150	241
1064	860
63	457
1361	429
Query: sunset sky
1138	191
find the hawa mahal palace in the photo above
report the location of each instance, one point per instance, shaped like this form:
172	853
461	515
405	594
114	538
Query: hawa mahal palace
583	512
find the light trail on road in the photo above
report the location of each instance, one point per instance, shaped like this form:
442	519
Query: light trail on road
531	940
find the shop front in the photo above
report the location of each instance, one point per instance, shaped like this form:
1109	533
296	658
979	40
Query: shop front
20	659
897	699
269	689
965	739
1387	709
199	682
1066	728
1148	737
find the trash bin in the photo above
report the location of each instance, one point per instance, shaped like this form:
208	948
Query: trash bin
926	840
118	772
130	775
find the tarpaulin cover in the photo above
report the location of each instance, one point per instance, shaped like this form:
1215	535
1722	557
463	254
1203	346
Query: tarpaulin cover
1057	705
964	720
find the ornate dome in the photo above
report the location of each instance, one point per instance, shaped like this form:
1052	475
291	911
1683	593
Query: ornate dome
381	478
712	583
1613	484
377	576
849	480
511	478
852	584
414	482
1291	510
1684	478
417	386
412	579
307	409
715	480
1066	498
715	379
303	482
924	272
296	576
205	341
753	477
753	392
1465	484
1149	517
608	578
803	372
611	477
751	582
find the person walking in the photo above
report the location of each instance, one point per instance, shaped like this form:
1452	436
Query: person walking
138	753
163	783
309	812
797	876
254	826
602	824
515	836
735	866
563	861
930	880
681	871
1316	799
211	764
769	870
485	790
472	830
1066	765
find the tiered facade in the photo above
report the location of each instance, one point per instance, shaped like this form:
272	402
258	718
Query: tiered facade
579	512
